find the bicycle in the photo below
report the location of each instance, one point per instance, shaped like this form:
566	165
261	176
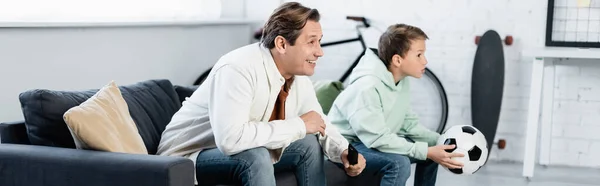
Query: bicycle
365	23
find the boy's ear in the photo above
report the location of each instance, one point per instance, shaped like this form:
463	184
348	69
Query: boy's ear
397	60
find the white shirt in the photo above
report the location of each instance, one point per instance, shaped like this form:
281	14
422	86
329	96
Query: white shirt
231	109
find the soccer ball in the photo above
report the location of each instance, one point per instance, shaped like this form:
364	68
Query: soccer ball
468	141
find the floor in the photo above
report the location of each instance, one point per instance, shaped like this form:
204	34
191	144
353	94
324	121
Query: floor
509	174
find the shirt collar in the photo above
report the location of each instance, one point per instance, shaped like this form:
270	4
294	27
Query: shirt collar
275	77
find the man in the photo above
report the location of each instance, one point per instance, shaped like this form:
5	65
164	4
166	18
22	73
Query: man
374	111
257	112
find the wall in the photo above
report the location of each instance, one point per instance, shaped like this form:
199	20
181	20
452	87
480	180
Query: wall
452	26
73	58
83	56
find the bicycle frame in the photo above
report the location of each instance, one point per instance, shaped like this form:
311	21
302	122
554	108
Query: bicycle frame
362	43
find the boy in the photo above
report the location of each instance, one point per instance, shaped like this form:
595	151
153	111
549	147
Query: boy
374	112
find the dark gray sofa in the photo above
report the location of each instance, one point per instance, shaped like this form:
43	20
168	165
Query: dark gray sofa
40	150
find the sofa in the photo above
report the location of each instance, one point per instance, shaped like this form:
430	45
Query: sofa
41	151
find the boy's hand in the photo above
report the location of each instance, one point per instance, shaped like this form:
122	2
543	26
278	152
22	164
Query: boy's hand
440	156
353	170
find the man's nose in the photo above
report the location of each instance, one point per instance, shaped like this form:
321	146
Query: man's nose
319	52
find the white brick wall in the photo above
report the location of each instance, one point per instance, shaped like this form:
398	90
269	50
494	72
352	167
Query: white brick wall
576	121
452	26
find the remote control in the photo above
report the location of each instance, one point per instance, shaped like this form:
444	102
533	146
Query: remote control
352	155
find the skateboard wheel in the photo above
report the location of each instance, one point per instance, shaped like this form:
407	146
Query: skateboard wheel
477	38
508	40
501	144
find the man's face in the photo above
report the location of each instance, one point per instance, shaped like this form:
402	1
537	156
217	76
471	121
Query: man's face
301	58
413	64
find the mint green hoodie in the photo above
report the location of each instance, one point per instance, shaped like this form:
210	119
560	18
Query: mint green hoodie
376	111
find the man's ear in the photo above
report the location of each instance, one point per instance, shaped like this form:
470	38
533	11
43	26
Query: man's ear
280	44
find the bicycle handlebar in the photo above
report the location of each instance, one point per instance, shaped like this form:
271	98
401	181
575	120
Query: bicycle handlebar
360	19
356	18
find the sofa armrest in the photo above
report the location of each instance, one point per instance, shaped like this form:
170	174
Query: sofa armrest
22	165
14	132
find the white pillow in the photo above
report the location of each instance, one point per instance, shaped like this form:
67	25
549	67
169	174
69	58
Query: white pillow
103	123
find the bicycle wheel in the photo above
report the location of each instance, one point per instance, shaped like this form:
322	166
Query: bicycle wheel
429	101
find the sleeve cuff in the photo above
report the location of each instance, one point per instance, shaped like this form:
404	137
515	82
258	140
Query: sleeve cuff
298	124
339	150
436	137
421	150
336	146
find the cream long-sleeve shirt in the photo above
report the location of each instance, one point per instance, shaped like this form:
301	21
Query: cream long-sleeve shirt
231	109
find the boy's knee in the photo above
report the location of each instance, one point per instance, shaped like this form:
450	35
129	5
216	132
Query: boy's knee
400	166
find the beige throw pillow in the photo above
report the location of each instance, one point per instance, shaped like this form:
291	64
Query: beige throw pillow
103	123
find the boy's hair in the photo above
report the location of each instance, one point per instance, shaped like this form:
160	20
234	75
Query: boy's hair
287	21
396	40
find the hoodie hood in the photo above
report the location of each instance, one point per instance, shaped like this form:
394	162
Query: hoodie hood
371	65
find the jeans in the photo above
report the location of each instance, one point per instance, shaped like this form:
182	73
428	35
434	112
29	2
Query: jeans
395	168
254	166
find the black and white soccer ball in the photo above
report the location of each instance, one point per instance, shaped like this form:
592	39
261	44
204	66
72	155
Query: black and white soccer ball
469	141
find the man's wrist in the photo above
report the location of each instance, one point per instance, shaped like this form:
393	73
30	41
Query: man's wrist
334	158
299	124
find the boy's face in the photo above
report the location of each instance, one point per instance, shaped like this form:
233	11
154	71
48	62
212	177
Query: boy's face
413	63
301	58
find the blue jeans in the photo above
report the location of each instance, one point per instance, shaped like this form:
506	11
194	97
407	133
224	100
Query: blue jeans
254	166
395	168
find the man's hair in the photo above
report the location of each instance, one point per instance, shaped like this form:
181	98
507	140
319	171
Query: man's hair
396	40
287	21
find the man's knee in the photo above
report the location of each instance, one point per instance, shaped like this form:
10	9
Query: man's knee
256	160
255	167
311	147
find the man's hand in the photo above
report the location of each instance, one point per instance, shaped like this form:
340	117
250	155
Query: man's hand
439	155
353	170
313	122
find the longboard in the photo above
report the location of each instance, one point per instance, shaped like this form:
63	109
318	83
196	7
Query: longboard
487	85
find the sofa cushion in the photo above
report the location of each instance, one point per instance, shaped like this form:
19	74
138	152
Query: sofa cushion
185	91
327	91
151	104
103	123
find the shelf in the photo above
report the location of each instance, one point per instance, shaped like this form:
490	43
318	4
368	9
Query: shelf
563	52
126	23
